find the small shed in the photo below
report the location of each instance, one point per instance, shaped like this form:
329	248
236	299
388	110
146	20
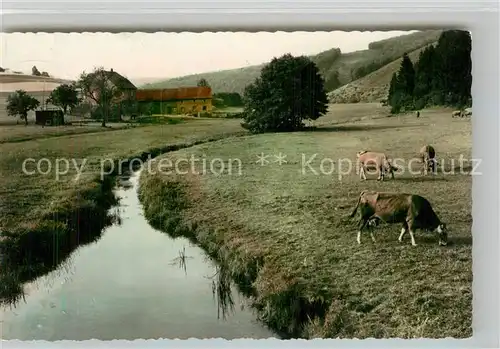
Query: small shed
49	117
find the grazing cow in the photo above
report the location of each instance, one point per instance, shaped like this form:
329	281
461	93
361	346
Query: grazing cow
370	159
413	211
456	113
427	155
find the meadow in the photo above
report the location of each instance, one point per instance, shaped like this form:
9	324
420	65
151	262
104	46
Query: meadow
44	214
283	232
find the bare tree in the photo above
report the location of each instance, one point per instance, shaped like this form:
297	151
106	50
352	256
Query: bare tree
98	87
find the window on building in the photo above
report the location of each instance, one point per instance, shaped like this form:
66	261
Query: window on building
204	107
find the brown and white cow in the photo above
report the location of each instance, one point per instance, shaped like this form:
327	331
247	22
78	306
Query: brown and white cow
379	161
413	211
427	155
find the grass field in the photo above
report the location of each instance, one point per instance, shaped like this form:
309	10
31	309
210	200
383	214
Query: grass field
38	209
285	235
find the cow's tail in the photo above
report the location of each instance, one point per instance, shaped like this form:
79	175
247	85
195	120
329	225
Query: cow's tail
356	207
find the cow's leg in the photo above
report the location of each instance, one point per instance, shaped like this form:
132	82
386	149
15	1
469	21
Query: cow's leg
362	174
411	230
403	231
370	228
380	173
363	222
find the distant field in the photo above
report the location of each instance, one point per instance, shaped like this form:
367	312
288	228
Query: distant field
288	230
37	86
10	120
18	78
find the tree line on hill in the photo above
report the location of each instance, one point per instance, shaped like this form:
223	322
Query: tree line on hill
34	71
441	76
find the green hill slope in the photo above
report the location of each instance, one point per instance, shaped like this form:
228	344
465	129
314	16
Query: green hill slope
336	67
372	87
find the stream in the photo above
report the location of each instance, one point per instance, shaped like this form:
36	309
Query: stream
134	282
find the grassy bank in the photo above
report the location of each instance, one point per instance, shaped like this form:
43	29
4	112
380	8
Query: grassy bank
43	218
284	235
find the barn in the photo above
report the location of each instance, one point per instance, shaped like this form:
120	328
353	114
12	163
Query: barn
171	101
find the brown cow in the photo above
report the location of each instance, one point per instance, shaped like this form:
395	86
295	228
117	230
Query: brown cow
413	211
369	159
427	155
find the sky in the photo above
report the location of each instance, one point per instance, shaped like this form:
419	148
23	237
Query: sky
167	55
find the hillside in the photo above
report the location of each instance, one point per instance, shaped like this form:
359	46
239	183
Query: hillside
7	78
372	87
11	82
336	67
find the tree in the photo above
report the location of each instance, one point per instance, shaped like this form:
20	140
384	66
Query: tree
98	87
394	96
35	71
64	96
425	72
455	66
441	76
2	70
402	86
406	76
289	90
20	103
203	83
228	99
332	81
44	73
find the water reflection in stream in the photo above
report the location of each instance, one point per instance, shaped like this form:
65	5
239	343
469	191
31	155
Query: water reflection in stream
135	282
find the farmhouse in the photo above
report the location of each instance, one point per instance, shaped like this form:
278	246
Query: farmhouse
124	94
182	100
122	84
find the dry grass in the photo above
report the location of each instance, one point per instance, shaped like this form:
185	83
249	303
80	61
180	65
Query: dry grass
23	196
287	234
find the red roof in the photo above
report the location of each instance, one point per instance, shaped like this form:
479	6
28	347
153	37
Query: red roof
167	94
